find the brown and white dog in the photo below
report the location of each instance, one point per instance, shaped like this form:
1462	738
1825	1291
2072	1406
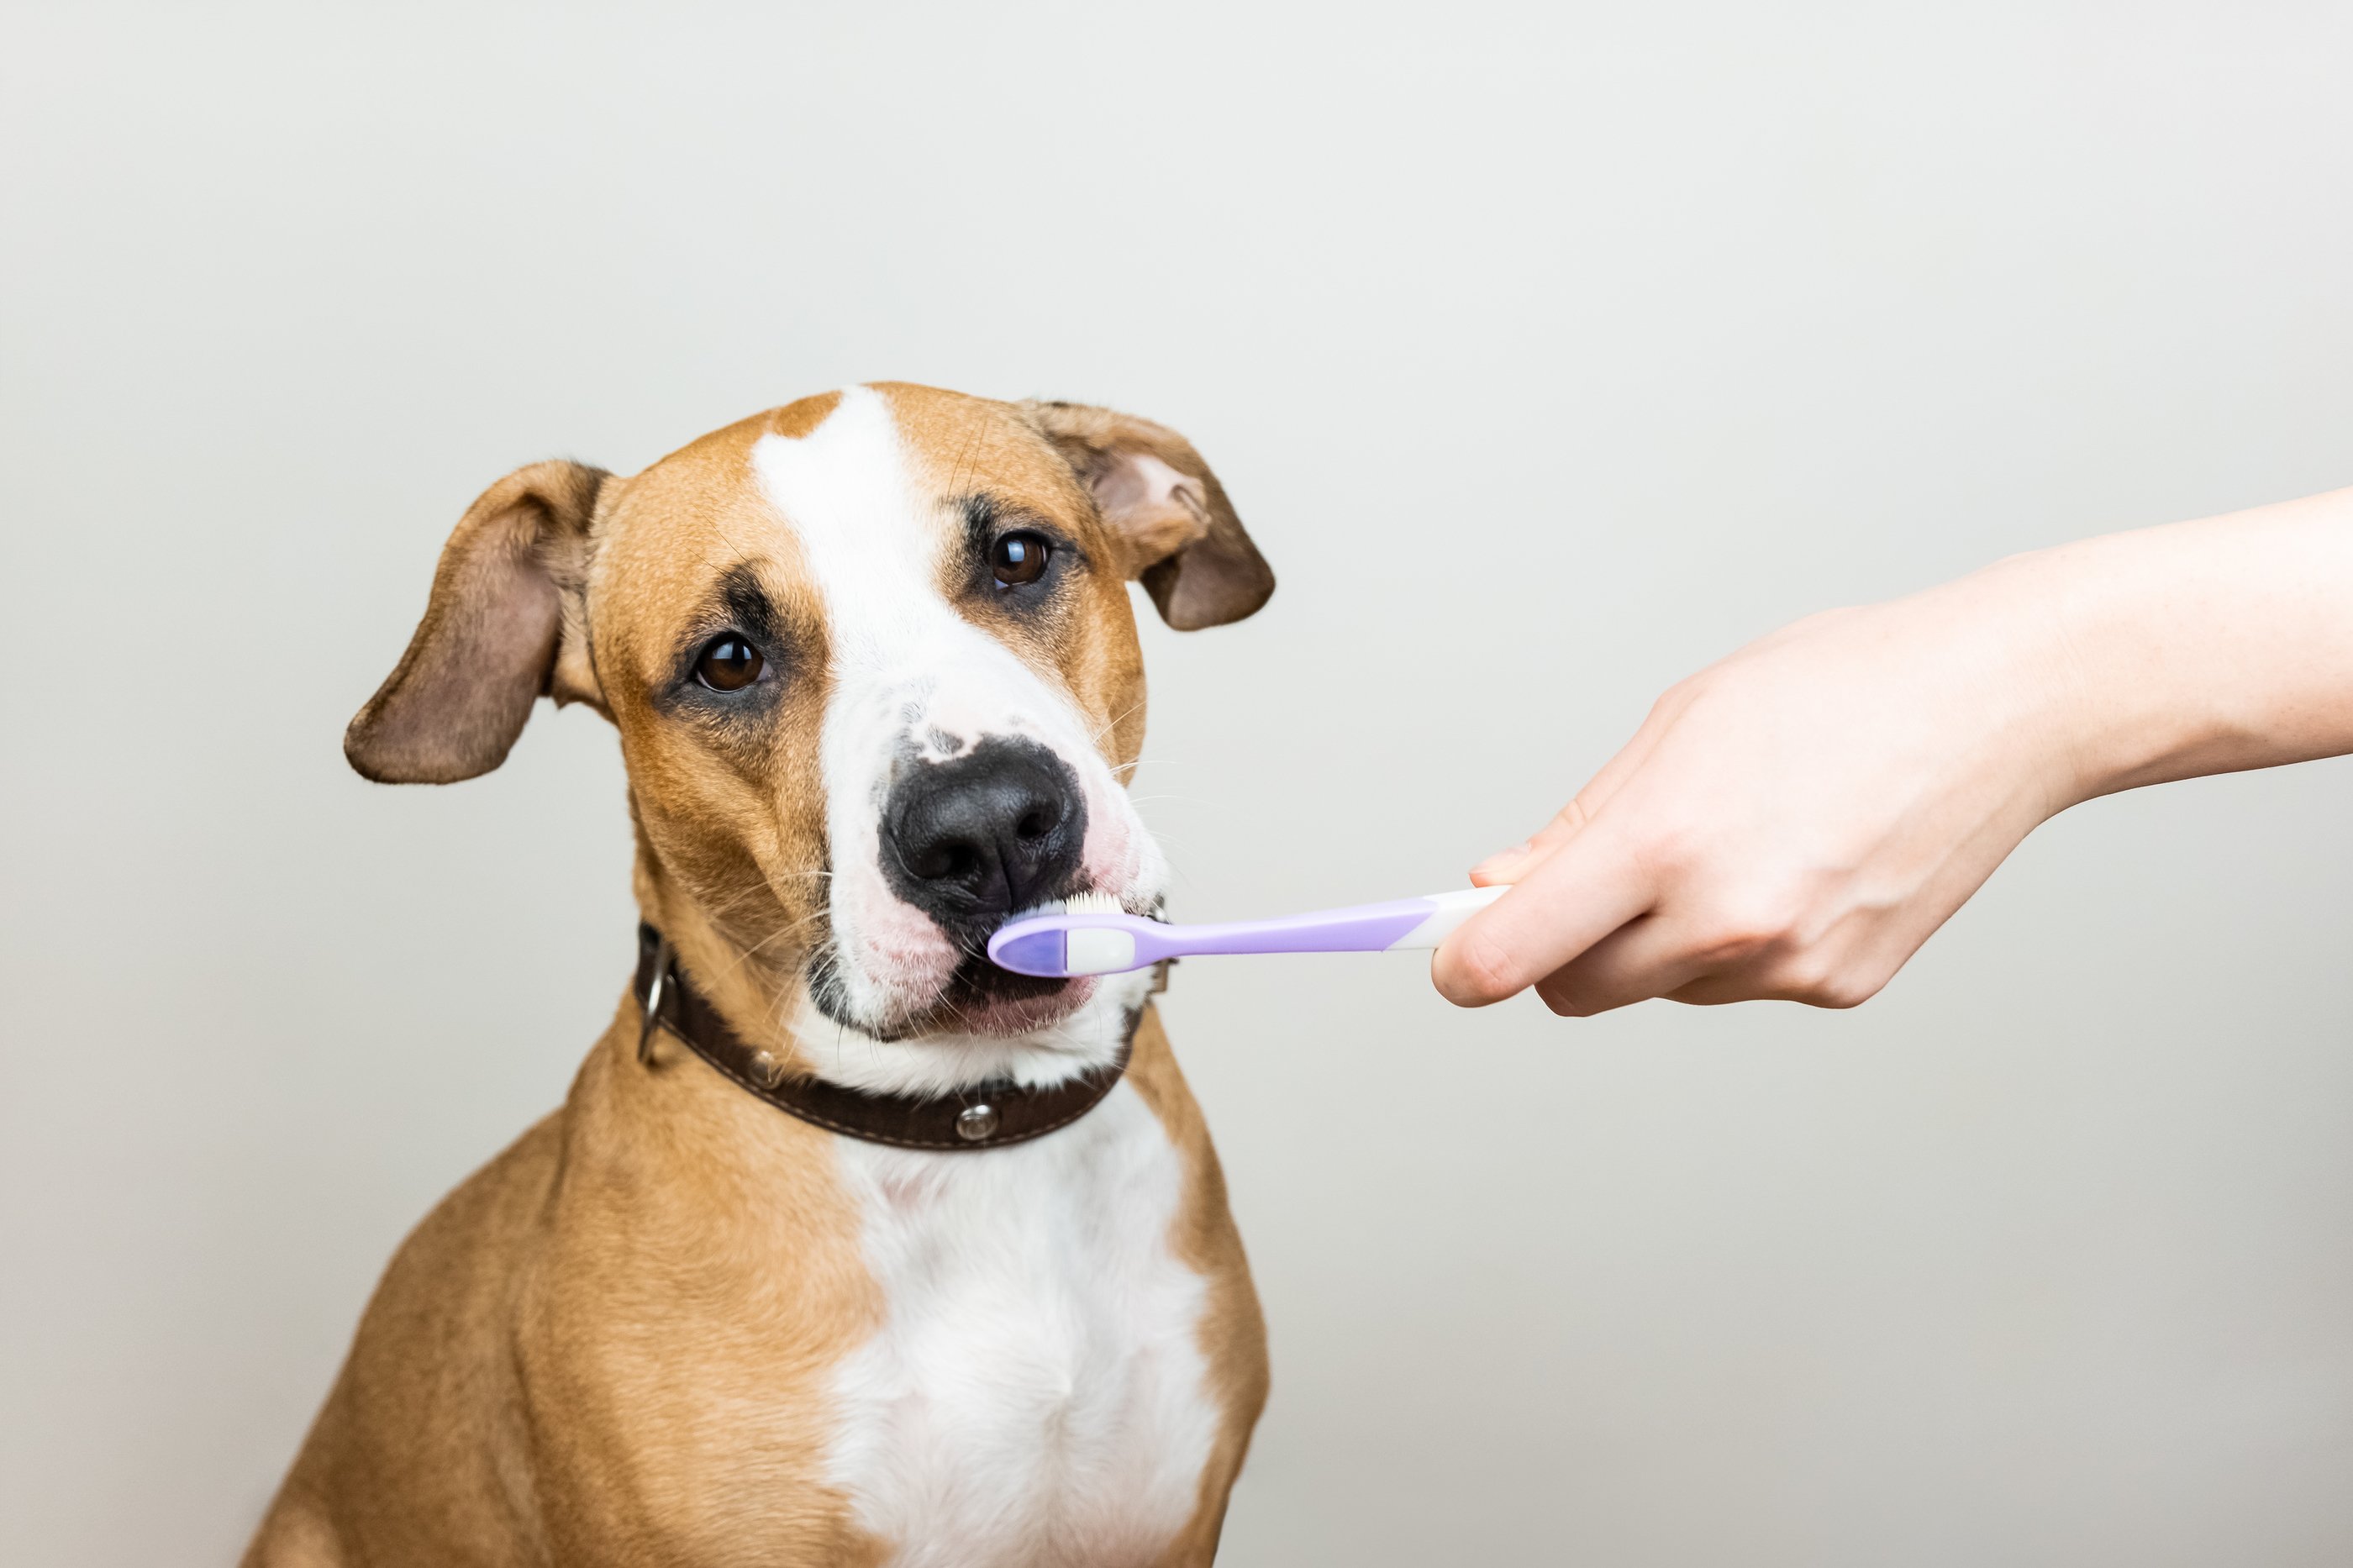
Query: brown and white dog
877	683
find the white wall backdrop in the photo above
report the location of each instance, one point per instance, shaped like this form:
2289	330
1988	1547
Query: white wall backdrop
1549	357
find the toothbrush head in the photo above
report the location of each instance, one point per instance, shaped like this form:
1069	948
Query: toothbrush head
1089	935
1034	946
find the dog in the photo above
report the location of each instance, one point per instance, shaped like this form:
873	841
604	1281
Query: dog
846	1246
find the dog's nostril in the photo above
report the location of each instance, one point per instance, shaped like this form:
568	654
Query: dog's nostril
990	831
943	862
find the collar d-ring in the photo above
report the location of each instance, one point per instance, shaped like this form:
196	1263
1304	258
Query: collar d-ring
652	1007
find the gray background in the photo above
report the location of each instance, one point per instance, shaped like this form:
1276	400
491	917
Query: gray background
1549	359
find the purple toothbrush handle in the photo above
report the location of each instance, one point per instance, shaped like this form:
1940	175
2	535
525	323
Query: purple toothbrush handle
1107	943
1366	928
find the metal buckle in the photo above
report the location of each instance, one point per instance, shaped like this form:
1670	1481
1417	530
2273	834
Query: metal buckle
654	993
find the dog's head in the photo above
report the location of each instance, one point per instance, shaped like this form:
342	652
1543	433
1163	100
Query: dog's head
874	670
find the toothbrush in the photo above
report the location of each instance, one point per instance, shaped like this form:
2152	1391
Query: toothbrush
1094	936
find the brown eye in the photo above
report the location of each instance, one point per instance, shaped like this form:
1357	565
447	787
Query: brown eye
1020	558
729	664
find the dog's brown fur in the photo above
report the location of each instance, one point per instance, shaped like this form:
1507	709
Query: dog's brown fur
611	1344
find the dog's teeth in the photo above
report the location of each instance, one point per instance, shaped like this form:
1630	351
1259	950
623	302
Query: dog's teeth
1076	904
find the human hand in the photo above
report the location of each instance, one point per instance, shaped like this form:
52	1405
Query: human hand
1795	821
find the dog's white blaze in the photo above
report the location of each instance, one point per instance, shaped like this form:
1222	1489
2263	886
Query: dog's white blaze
1036	1392
909	671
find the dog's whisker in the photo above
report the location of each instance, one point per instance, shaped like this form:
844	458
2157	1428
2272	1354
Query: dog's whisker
749	951
1113	722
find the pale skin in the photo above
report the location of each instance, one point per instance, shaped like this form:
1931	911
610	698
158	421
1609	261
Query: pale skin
1795	821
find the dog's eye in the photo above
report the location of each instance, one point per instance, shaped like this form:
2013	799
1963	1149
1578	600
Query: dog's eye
728	663
1020	558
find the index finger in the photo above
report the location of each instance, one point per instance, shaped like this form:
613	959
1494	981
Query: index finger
1517	864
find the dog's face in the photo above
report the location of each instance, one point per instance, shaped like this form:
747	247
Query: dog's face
874	670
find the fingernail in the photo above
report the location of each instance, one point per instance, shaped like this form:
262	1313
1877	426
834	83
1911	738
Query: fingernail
1496	862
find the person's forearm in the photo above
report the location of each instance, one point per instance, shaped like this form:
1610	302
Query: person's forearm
2200	647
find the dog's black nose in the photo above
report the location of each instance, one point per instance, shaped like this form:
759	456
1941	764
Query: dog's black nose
977	837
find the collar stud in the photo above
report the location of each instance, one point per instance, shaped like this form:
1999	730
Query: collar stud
977	1123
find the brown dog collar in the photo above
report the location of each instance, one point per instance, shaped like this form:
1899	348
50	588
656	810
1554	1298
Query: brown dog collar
986	1116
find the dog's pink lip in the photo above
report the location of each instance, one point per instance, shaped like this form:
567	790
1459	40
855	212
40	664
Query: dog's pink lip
1008	1016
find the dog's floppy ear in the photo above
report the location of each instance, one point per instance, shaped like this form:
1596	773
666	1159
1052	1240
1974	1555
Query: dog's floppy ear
1182	538
505	624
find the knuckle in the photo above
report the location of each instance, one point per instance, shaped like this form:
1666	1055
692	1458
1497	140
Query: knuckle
1743	926
1671	851
1819	980
1684	692
1803	977
1571	817
1845	991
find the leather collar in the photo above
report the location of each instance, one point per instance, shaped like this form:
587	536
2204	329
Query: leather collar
985	1116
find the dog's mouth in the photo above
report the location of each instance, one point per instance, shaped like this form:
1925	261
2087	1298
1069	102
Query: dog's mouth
982	999
976	997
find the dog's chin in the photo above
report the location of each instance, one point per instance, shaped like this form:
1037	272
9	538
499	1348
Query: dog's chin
982	999
979	998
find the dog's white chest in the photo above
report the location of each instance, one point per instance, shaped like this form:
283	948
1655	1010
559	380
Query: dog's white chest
1037	1393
